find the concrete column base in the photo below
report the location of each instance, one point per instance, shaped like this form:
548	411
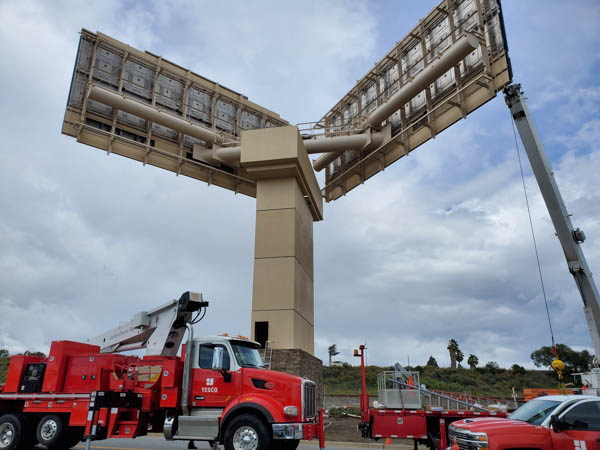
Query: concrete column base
302	364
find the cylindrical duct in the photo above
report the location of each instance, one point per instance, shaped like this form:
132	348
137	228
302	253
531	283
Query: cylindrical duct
336	144
333	144
313	146
324	160
228	154
432	72
118	101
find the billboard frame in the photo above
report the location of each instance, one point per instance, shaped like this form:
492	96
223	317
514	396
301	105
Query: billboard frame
471	88
107	132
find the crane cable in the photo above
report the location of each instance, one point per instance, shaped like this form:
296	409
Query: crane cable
556	364
537	256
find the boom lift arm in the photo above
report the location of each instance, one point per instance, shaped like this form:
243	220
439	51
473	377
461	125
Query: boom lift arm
570	239
160	331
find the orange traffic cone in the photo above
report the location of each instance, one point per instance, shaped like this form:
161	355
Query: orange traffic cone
455	445
411	383
388	441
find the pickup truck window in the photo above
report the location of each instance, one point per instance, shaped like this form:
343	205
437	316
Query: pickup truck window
535	411
585	416
206	356
247	355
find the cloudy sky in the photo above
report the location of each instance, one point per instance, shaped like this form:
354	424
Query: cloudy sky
436	247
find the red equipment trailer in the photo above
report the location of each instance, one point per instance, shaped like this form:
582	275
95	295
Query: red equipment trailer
216	391
409	421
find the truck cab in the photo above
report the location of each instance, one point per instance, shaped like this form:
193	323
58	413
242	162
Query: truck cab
553	422
234	400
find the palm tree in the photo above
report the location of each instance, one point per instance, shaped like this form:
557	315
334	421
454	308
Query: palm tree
459	357
453	349
472	361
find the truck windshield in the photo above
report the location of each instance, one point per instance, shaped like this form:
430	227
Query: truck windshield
535	411
247	355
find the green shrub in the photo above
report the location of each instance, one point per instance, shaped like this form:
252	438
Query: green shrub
488	382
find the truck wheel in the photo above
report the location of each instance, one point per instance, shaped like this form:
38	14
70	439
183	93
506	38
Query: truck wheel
15	432
52	432
247	432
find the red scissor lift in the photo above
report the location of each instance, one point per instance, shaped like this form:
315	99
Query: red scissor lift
399	414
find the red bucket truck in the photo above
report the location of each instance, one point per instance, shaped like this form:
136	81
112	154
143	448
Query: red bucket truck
216	391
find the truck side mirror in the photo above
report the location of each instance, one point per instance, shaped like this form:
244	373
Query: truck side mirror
217	362
555	423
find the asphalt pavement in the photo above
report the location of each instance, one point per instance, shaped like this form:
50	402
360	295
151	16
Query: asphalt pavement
159	443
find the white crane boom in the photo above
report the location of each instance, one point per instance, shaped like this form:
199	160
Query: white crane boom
570	238
160	331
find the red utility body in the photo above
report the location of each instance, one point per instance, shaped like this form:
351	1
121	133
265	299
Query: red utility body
18	364
76	372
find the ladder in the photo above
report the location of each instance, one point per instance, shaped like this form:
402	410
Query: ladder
268	354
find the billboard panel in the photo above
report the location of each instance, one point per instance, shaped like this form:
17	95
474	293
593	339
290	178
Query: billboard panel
468	84
139	105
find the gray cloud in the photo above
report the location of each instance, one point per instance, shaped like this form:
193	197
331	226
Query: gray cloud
422	264
437	246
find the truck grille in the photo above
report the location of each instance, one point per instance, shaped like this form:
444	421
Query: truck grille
462	440
309	399
454	433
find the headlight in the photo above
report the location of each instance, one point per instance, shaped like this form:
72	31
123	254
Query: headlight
290	411
481	437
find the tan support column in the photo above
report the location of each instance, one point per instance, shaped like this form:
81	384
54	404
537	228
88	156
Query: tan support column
288	200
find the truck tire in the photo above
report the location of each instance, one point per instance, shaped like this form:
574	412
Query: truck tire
247	432
15	432
52	432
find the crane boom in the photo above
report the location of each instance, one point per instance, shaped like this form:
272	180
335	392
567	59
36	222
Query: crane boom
570	238
160	331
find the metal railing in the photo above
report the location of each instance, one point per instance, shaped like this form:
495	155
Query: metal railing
402	390
319	129
399	390
460	400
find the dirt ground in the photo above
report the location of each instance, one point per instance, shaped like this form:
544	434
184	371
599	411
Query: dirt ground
343	429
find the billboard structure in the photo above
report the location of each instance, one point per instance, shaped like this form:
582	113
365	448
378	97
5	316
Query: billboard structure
143	107
451	63
139	105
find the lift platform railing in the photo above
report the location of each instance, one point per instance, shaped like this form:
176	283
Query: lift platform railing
397	392
391	394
